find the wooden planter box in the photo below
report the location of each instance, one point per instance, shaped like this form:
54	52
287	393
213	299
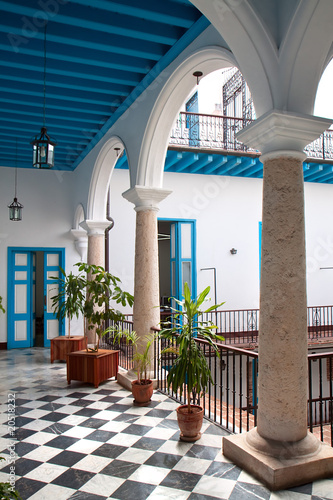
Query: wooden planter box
61	346
92	367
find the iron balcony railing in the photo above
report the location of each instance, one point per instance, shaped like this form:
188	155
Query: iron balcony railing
242	326
197	130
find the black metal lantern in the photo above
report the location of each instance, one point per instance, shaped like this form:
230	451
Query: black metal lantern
43	150
43	145
15	210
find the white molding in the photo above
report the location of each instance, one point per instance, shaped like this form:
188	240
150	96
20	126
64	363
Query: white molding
146	198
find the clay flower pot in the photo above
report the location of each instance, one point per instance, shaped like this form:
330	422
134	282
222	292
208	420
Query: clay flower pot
190	423
142	392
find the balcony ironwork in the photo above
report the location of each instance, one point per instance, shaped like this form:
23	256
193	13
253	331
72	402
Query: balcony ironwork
215	132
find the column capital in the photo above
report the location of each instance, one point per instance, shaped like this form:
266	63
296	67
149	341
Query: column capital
146	198
81	242
94	227
283	133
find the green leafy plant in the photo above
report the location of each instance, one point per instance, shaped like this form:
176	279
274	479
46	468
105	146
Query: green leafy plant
190	367
143	356
7	491
102	288
70	300
1	306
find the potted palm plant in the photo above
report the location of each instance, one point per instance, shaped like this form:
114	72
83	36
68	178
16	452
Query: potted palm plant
190	369
142	387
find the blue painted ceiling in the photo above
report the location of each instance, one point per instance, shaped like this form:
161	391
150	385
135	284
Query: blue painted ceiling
101	54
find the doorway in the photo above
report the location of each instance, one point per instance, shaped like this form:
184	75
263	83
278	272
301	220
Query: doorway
177	258
31	319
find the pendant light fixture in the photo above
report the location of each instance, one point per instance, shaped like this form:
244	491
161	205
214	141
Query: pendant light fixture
43	145
15	208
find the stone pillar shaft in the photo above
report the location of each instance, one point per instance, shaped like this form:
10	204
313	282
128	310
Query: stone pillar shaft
146	311
282	412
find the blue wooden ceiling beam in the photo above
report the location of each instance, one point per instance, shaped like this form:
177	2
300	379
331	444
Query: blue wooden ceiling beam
245	164
161	12
226	168
313	169
199	165
96	20
217	162
171	158
254	171
320	175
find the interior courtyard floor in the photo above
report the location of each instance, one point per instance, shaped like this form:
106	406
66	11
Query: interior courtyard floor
80	442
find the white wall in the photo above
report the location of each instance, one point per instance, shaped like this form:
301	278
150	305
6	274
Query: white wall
46	222
228	212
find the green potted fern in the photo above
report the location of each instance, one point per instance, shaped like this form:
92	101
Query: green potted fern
190	369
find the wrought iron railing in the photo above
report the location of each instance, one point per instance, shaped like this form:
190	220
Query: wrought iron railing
197	130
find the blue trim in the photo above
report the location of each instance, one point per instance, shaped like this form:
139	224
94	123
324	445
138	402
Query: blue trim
11	252
260	236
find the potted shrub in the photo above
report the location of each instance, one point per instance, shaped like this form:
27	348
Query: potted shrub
69	301
101	288
142	387
190	368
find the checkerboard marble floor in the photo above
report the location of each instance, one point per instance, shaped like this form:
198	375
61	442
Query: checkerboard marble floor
84	443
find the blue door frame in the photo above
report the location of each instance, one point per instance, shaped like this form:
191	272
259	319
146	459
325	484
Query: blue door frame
21	281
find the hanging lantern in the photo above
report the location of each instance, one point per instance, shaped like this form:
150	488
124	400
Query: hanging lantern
43	146
43	150
15	210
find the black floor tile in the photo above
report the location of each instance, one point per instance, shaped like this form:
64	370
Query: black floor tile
138	430
181	480
21	421
82	402
247	491
94	423
48	398
146	443
86	412
223	470
197	496
57	428
20	434
99	435
206	452
28	487
82	495
111	399
62	442
67	458
120	408
22	448
22	466
109	450
119	468
50	407
78	395
73	478
126	417
158	413
165	460
131	490
54	416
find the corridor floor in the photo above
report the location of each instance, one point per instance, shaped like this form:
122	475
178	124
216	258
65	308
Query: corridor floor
78	442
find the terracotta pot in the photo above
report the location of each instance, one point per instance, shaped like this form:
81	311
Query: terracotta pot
142	393
190	423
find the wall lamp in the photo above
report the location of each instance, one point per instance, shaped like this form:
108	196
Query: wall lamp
233	251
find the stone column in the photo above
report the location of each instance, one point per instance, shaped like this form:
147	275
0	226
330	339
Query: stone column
96	253
146	310
280	451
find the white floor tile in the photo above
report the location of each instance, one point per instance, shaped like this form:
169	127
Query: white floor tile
53	491
323	488
85	445
215	487
123	439
163	493
47	471
135	455
195	465
93	463
43	453
149	475
102	485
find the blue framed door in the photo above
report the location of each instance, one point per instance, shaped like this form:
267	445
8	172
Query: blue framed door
21	305
182	258
20	302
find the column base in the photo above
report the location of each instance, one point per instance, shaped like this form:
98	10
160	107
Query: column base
288	465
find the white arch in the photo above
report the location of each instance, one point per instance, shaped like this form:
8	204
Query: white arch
171	97
78	216
100	179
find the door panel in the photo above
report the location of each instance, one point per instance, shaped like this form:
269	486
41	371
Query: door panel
21	304
52	326
20	299
182	252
